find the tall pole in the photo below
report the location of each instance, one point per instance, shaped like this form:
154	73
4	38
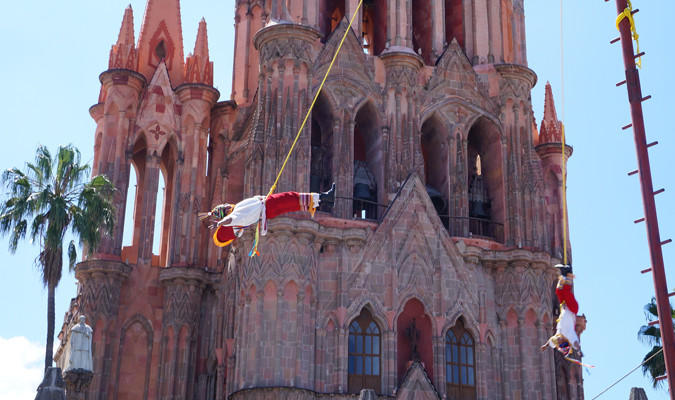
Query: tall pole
651	220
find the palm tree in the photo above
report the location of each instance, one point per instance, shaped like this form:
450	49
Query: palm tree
44	202
651	336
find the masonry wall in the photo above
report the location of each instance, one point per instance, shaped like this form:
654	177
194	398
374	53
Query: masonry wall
197	321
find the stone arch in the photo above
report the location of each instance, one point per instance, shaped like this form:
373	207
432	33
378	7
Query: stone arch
453	18
485	179
413	311
127	354
322	143
368	155
422	30
331	12
436	162
134	201
375	310
374	27
469	324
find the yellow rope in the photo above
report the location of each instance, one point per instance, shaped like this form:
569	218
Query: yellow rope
254	250
628	13
564	179
316	96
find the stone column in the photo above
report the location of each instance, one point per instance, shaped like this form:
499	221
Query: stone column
300	325
319	384
551	361
149	206
220	379
258	336
505	363
438	363
341	358
543	370
525	386
481	369
278	343
312	344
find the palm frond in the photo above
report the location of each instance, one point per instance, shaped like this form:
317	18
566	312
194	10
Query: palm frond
95	212
72	255
654	367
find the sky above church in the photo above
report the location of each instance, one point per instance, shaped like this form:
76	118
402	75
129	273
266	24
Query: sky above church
53	52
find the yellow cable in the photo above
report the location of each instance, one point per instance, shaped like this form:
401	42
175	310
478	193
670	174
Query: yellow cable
628	13
564	188
316	96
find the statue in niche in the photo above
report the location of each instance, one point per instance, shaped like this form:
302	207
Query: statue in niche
80	347
413	336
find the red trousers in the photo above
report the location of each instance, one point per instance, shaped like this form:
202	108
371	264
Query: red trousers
276	205
565	295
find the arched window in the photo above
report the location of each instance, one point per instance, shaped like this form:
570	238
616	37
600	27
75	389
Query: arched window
160	50
485	178
374	26
422	29
364	354
368	163
454	22
331	13
460	370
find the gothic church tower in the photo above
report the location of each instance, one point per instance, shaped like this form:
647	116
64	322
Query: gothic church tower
432	276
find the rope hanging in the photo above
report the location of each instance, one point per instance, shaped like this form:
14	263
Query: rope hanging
564	174
254	250
628	13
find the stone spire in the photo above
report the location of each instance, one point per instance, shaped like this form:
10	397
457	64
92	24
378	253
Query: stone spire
123	54
161	37
551	128
198	68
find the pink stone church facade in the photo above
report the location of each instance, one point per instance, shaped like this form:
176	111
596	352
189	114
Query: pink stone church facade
432	275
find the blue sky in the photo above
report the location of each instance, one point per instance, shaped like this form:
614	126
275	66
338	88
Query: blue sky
53	52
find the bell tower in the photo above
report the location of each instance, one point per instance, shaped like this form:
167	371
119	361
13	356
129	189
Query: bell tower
431	274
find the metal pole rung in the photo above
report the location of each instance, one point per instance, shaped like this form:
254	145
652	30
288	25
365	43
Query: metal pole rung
644	271
627	126
653	323
637	10
614	40
640	54
637	221
659	191
621	83
652	144
671	294
633	172
646	98
660	378
666	241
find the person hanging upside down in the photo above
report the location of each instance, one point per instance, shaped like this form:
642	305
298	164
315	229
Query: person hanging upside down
565	337
233	219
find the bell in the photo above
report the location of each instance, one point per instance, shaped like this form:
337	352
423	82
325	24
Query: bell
437	198
362	192
314	183
477	210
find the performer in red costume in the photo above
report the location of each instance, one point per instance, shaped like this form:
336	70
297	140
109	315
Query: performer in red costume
233	219
565	337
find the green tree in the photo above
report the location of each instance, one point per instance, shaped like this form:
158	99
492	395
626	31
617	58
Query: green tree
651	336
53	195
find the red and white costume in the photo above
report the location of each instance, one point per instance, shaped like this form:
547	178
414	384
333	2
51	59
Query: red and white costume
565	330
249	211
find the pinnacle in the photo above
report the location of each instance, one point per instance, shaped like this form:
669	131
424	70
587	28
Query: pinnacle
550	130
126	35
202	42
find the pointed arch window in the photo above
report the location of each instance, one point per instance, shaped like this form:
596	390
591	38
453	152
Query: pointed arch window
364	354
460	367
160	50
